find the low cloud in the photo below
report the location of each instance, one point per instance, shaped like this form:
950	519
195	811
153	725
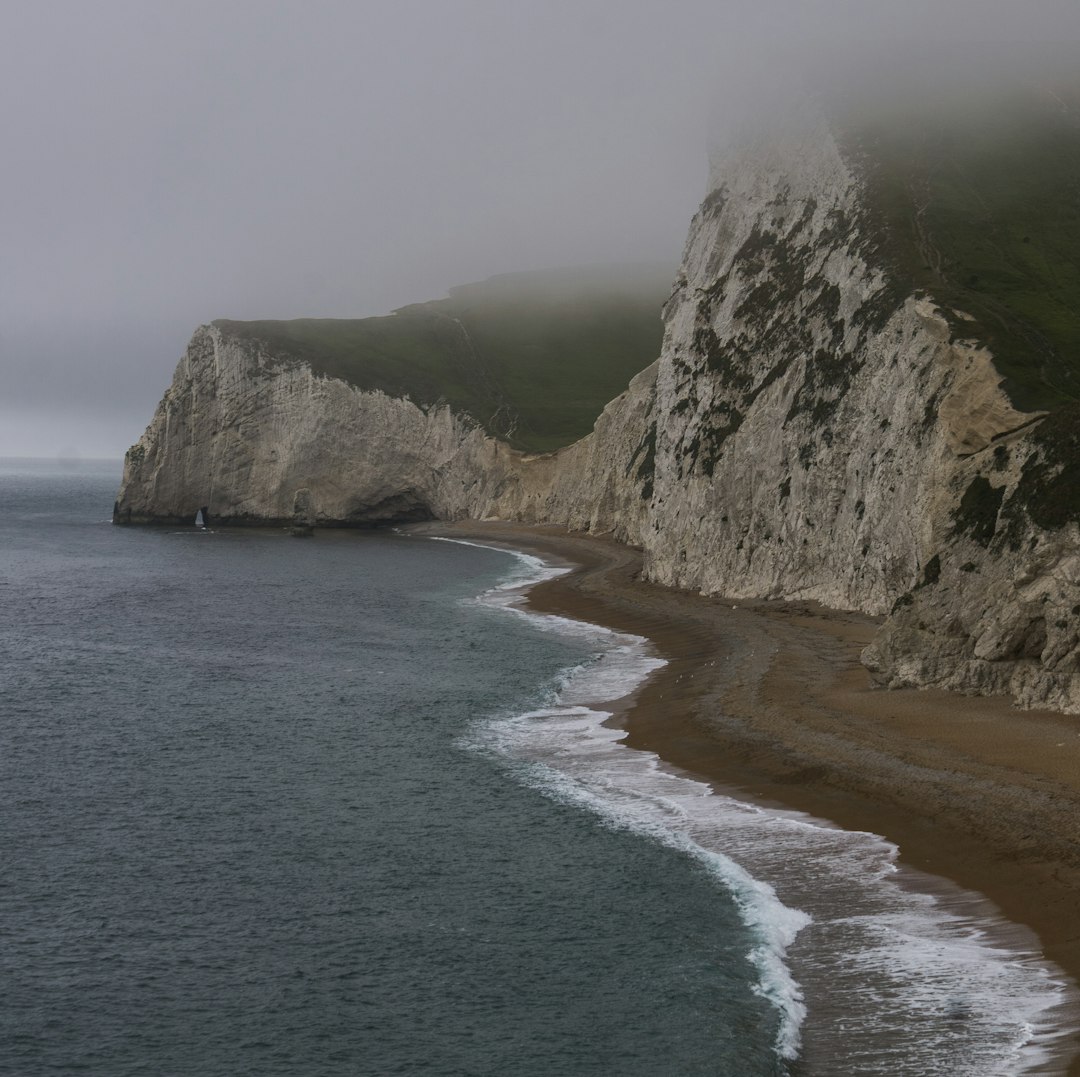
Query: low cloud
170	164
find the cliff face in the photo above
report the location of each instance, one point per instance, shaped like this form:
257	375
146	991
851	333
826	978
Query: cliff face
824	436
811	430
259	440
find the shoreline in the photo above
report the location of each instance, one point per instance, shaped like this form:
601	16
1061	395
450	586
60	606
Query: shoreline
768	702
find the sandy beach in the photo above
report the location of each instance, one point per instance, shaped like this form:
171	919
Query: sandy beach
769	701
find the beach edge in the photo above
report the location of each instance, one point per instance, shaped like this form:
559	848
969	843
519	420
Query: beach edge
768	702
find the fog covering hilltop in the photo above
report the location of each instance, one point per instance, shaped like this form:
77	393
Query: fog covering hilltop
532	357
168	164
973	194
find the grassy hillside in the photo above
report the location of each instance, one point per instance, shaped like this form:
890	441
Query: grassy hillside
978	203
533	357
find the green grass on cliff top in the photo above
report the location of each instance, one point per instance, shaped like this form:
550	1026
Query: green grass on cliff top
532	357
978	203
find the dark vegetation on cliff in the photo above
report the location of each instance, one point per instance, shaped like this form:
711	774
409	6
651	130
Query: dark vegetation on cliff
977	202
532	357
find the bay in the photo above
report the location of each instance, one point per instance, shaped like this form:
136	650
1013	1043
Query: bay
244	831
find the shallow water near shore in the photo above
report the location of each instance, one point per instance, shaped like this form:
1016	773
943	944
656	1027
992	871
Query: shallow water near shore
341	806
897	971
242	835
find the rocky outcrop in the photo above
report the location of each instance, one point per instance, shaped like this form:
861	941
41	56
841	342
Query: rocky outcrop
261	440
997	606
812	430
824	436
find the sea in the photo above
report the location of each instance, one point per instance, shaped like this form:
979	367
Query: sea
343	805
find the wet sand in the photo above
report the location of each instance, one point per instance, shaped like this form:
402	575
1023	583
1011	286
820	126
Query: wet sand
769	701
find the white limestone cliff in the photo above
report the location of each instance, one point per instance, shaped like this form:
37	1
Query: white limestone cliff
244	433
808	432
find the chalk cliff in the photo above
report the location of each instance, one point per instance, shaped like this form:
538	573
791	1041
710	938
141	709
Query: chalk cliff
814	428
259	440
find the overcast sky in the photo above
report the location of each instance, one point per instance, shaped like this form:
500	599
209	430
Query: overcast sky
168	163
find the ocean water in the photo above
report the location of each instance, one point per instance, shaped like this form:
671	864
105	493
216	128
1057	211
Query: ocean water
341	806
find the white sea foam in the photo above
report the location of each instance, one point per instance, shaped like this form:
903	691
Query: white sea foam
528	571
904	973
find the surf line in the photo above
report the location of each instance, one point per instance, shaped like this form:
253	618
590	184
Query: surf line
539	742
835	917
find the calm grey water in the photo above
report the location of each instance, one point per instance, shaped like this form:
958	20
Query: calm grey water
280	806
243	831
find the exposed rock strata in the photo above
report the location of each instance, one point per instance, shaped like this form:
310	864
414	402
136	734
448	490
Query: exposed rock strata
252	437
809	431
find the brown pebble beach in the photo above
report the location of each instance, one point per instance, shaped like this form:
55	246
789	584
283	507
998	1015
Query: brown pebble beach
768	701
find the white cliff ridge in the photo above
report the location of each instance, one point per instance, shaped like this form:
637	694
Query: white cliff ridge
260	441
809	431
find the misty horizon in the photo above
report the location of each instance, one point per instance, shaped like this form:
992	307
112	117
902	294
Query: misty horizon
168	167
